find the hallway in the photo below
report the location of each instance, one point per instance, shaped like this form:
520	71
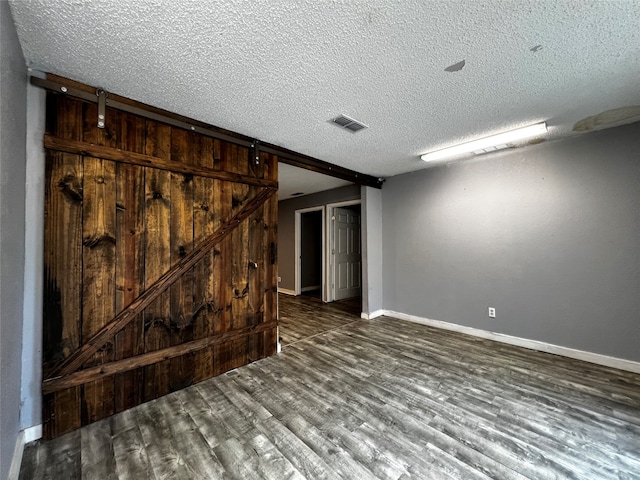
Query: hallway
306	316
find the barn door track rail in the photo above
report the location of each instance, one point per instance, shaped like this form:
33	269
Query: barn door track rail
106	100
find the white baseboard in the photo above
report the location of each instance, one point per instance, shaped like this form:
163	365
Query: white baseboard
372	315
286	291
16	461
308	289
32	433
278	342
596	358
25	436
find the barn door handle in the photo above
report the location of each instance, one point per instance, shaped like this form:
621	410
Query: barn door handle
274	253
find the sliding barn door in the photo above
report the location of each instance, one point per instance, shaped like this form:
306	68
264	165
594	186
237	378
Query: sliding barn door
160	268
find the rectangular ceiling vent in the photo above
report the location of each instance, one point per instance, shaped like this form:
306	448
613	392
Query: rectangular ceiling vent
349	123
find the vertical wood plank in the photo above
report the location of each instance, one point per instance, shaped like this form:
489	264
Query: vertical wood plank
181	293
270	284
98	293
240	258
157	256
224	157
130	201
206	301
99	237
256	273
62	308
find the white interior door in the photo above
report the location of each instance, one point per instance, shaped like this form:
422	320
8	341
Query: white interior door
346	253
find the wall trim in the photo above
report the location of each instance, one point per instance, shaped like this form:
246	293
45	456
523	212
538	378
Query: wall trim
372	315
25	436
32	433
597	358
286	291
16	461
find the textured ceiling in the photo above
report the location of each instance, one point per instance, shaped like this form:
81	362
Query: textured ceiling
296	180
278	70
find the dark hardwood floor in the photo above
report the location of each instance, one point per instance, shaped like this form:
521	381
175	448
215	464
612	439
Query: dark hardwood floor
364	399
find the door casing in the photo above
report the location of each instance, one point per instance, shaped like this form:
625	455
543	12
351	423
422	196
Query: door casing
330	264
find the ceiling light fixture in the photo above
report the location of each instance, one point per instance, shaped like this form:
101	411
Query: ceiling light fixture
487	144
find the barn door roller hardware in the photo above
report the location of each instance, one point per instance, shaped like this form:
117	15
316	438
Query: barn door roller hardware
102	106
284	155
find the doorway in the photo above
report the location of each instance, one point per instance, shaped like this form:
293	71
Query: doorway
345	257
309	255
346	252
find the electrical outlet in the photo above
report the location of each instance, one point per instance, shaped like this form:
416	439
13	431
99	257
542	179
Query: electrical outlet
279	279
492	312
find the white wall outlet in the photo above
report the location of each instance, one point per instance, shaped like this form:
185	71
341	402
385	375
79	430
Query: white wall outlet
492	312
279	279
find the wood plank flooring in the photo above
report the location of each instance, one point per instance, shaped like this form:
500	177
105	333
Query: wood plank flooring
306	316
370	399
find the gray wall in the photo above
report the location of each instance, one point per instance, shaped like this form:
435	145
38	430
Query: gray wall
371	250
548	235
286	226
13	102
31	413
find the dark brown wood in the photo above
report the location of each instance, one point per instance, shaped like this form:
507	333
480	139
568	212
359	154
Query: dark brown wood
157	258
222	352
99	259
181	238
206	304
79	357
270	283
133	228
62	312
133	158
98	295
130	234
93	374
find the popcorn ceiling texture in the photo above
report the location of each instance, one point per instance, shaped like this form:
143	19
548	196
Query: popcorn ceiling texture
279	70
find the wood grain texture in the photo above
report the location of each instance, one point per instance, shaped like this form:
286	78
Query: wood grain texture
99	265
91	374
62	303
155	290
157	321
130	237
181	245
371	399
206	311
140	159
149	229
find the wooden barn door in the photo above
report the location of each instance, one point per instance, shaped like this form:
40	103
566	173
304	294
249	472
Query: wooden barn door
159	261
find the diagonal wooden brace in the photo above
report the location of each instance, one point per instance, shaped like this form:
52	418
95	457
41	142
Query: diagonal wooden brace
75	361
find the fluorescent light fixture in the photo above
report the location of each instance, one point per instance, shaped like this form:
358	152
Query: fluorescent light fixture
487	144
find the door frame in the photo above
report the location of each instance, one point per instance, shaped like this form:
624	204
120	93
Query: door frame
298	247
329	286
